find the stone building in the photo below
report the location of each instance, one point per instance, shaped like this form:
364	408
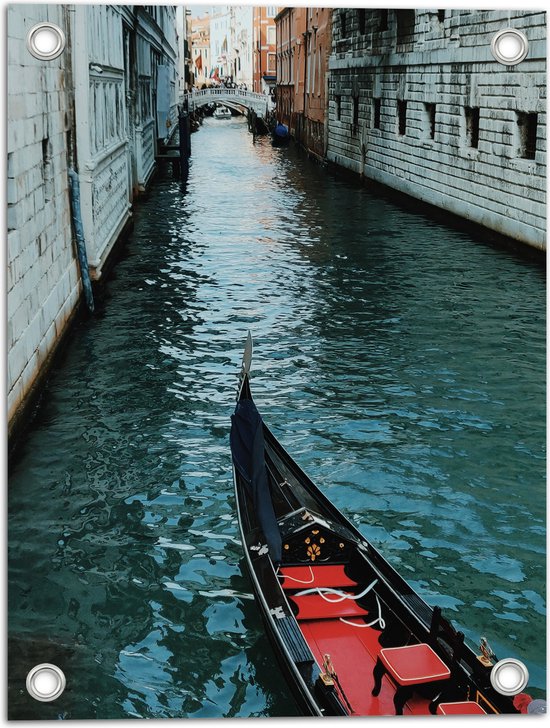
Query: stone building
417	102
100	108
303	47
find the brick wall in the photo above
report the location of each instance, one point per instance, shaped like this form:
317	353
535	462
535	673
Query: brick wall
42	274
418	79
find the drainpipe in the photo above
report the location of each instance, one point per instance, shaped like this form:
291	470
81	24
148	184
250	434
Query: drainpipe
80	242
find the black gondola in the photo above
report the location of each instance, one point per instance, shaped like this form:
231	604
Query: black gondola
351	636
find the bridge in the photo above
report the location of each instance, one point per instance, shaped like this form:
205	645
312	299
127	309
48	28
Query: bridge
235	98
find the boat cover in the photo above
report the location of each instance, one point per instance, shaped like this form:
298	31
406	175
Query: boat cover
247	448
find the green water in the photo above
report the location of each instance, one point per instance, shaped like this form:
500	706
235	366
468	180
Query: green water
400	361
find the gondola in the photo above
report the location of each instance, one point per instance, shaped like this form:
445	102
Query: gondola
350	635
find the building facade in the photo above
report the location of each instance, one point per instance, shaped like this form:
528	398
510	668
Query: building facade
418	103
264	49
201	58
99	108
303	48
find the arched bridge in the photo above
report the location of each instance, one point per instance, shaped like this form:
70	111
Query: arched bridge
235	97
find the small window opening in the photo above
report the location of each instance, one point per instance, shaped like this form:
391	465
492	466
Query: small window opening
472	126
355	112
527	126
441	16
343	27
430	118
383	20
338	108
47	169
402	117
377	106
361	20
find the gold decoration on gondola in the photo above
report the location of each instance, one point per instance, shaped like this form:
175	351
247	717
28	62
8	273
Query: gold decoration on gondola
313	551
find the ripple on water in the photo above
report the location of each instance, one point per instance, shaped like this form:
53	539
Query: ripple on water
400	361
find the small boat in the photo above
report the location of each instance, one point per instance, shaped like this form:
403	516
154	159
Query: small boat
280	136
222	112
350	635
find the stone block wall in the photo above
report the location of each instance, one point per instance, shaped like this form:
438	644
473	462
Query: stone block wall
418	103
42	273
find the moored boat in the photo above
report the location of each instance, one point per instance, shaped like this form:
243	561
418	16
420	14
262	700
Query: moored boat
222	112
351	636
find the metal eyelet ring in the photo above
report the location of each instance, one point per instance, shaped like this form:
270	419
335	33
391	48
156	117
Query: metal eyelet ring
509	46
45	682
509	676
46	41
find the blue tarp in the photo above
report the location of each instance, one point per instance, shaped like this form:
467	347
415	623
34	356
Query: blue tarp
247	448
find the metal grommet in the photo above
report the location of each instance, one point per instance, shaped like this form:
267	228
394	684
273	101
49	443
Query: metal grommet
46	41
45	682
509	46
509	676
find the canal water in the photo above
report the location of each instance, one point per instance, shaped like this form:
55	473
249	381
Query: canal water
400	361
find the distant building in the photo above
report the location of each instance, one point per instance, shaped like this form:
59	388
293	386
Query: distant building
303	48
242	45
100	107
220	42
417	102
264	49
201	57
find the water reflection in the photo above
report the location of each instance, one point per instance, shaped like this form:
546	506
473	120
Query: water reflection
400	361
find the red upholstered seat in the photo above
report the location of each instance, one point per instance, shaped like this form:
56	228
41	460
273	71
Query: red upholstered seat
414	664
301	577
467	707
313	606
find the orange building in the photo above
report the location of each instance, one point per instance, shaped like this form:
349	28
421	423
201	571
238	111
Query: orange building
304	37
264	49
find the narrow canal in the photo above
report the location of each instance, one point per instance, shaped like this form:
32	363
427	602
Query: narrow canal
400	361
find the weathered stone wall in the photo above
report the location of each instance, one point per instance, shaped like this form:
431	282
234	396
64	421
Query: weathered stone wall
42	273
432	69
92	107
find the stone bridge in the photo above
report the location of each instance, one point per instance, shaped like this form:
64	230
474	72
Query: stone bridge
234	97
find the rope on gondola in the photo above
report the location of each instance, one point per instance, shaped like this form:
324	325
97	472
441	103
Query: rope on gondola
298	581
322	591
379	619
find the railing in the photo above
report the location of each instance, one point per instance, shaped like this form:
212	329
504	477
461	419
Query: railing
261	103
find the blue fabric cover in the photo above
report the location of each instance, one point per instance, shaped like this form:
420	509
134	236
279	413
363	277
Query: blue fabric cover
247	448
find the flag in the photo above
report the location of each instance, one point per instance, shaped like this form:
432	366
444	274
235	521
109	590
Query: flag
198	62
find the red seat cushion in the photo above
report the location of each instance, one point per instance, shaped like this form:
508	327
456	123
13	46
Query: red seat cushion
313	606
467	707
414	664
302	577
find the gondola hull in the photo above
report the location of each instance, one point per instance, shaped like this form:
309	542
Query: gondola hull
335	611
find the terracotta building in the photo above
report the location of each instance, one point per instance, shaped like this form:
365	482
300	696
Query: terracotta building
264	49
303	47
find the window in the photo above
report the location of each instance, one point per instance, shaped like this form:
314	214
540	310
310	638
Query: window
383	20
527	127
405	25
361	20
271	61
430	119
441	16
355	112
401	117
376	108
270	11
343	27
472	126
338	100
271	35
